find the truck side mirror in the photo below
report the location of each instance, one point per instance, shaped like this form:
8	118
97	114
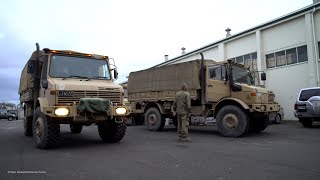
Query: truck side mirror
45	83
115	75
263	76
31	64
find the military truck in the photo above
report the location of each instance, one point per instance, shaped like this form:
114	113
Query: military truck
68	87
222	90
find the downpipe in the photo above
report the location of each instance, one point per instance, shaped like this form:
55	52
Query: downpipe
315	46
203	84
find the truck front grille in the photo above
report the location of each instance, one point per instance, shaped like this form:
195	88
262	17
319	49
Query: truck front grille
113	95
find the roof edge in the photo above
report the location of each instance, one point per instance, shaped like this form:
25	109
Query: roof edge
294	13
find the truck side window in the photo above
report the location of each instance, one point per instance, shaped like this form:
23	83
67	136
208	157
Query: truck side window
217	73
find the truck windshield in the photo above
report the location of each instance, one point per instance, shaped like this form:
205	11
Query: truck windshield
242	75
76	67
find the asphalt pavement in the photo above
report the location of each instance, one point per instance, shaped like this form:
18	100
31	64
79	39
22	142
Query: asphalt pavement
285	151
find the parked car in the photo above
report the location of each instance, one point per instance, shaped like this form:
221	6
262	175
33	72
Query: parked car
4	114
307	106
15	112
276	117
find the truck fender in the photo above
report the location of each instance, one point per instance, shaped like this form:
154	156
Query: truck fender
43	102
153	104
162	111
222	102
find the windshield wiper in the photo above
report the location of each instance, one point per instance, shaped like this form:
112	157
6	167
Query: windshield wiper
77	76
99	77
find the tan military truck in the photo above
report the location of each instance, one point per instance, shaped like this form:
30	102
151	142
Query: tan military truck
223	90
68	87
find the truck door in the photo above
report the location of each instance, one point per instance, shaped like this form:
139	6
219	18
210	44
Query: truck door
217	87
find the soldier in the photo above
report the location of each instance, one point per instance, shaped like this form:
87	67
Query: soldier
182	107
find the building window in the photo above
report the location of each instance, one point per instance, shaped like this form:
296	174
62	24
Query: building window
247	60
239	59
287	57
302	54
270	60
319	50
280	58
291	56
254	61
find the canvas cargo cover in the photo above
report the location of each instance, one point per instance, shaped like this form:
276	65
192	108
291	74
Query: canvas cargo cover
26	80
166	78
94	105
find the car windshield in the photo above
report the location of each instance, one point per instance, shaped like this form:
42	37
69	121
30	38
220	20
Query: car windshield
308	93
76	67
242	75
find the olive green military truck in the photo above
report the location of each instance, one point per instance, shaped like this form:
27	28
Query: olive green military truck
222	90
68	87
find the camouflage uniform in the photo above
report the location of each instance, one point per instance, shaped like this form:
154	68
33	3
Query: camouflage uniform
182	106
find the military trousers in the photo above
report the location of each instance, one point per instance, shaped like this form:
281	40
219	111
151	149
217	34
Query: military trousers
183	125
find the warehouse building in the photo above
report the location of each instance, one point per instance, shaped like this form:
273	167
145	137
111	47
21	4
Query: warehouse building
287	49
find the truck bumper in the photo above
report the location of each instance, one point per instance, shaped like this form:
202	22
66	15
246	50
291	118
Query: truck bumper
265	108
73	112
315	117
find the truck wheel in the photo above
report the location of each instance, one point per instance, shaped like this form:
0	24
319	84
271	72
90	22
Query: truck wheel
259	124
153	120
76	128
277	119
306	122
46	131
111	132
27	125
10	118
232	121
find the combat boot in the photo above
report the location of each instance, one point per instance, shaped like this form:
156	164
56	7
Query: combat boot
184	140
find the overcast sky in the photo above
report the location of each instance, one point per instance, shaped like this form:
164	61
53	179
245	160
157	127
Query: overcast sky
136	33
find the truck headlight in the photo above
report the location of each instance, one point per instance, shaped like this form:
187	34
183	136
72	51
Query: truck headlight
61	111
121	110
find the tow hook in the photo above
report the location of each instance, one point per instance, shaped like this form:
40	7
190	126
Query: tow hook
118	120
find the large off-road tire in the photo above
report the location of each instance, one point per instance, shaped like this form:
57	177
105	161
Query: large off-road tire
153	119
258	125
111	132
277	119
232	121
27	125
76	128
306	122
46	132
